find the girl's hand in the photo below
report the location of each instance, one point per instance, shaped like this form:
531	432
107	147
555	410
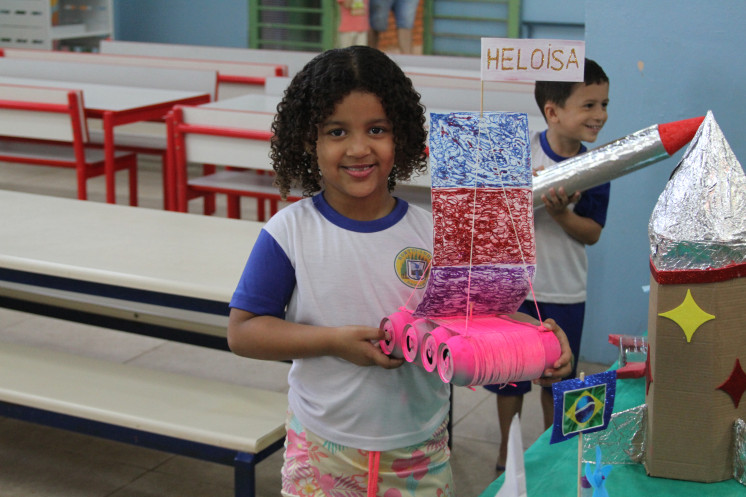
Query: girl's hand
562	367
355	344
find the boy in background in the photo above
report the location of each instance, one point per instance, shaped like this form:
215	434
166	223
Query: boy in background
568	221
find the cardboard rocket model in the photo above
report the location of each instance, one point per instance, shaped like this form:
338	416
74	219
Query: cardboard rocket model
696	379
617	158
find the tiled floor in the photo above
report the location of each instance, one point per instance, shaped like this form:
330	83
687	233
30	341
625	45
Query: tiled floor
45	462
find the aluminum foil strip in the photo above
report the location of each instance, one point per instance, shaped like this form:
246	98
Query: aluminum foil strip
622	442
602	164
699	221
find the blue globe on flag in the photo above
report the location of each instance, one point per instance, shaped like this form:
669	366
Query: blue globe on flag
585	408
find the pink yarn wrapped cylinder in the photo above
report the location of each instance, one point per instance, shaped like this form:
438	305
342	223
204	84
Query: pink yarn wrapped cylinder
499	357
430	344
393	325
414	334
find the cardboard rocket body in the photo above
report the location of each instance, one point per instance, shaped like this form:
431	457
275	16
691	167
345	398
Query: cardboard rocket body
696	381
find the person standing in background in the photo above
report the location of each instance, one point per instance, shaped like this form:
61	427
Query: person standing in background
353	23
404	13
566	224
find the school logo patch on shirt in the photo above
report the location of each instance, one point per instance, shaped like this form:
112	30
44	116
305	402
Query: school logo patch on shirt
413	266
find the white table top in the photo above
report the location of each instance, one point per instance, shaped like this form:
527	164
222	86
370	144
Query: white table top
181	254
104	97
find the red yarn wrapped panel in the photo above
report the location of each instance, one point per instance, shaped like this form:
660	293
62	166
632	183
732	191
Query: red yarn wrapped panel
503	227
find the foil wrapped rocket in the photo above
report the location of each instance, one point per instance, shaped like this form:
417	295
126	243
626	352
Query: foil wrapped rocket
615	159
699	221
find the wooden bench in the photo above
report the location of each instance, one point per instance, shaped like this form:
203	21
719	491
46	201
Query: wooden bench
145	271
205	419
198	80
293	60
233	78
47	126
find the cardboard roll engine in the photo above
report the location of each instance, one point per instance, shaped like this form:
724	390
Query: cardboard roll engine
478	351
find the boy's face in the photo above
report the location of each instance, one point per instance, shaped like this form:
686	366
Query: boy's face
583	115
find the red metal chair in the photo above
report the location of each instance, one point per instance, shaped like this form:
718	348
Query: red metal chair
236	140
47	126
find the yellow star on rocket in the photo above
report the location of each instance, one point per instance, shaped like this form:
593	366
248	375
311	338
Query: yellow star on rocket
688	315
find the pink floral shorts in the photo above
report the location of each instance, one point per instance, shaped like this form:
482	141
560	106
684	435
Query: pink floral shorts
315	467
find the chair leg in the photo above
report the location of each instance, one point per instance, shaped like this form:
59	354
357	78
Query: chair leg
82	178
209	207
233	204
244	475
168	187
133	181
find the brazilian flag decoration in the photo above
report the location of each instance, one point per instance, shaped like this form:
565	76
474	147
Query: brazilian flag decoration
582	406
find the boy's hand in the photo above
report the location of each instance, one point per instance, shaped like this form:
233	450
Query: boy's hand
355	344
556	201
562	367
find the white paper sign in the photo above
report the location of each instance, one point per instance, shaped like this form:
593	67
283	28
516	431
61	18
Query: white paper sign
513	59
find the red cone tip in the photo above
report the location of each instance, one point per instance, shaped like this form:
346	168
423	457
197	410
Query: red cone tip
676	134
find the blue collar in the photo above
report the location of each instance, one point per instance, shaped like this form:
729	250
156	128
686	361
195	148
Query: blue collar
334	217
551	153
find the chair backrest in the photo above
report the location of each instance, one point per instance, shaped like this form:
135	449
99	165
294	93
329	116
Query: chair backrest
42	113
276	85
223	137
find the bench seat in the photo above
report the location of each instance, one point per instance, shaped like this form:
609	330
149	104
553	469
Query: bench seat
137	136
246	181
11	149
196	417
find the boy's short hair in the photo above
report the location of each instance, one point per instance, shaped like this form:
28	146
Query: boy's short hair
559	91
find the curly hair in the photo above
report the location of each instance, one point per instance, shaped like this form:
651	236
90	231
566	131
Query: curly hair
311	97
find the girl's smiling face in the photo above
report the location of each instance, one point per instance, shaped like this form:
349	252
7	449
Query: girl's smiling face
356	150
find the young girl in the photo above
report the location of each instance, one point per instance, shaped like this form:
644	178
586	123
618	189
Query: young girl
325	271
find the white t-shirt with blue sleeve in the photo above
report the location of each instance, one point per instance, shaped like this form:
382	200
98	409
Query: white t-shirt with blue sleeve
561	261
314	266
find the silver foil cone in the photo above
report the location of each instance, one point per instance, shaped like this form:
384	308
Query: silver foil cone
602	164
699	221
